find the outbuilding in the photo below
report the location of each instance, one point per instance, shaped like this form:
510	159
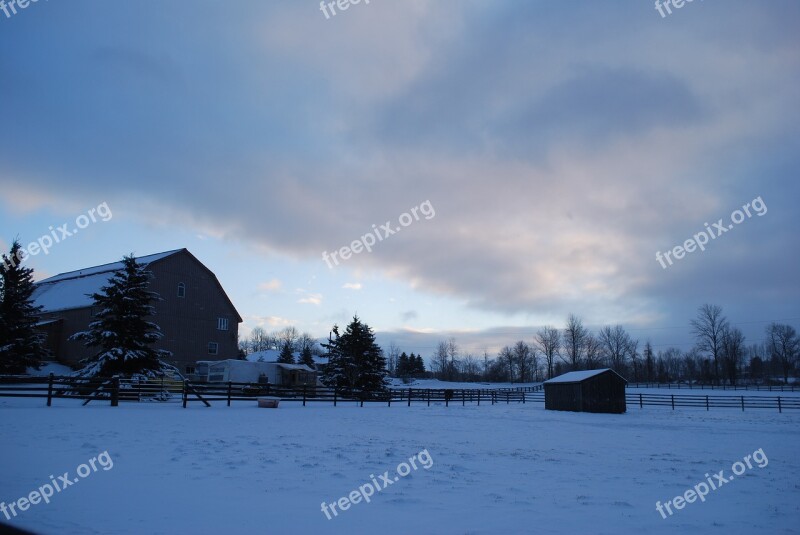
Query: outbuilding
586	391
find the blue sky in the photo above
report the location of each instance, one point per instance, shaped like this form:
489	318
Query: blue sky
562	144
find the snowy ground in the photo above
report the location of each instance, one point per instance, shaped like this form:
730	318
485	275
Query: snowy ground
496	469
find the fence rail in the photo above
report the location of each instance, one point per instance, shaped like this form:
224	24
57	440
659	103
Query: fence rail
690	386
117	390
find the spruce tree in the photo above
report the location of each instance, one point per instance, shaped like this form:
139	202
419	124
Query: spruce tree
403	365
122	332
286	356
355	361
21	346
307	357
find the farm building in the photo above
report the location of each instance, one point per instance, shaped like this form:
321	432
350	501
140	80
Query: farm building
243	371
195	315
586	391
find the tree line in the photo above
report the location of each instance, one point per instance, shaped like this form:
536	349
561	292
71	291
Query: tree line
720	355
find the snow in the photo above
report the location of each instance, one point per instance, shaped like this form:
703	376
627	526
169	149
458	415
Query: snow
108	268
577	377
50	367
509	469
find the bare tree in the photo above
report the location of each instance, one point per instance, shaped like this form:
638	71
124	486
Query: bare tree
523	360
392	354
439	362
783	345
593	352
549	341
618	347
506	356
574	344
732	353
259	340
470	368
708	328
287	337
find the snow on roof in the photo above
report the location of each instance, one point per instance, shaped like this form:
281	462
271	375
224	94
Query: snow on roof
105	268
301	367
577	377
73	289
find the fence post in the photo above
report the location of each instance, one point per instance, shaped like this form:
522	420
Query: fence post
508	400
185	393
479	397
409	396
50	390
115	391
706	401
673	401
429	398
463	397
742	403
779	404
229	393
304	395
390	397
641	404
446	399
334	396
523	397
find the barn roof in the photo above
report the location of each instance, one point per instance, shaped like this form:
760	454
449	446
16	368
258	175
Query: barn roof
73	289
581	376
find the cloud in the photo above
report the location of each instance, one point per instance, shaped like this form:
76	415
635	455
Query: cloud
557	170
352	286
310	298
270	286
409	315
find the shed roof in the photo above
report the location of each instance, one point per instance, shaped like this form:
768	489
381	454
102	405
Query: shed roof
581	376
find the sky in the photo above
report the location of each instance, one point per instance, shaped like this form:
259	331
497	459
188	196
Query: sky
535	157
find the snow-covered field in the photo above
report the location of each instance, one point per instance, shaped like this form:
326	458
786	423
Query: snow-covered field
496	469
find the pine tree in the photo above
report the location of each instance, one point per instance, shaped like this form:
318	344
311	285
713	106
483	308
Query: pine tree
121	332
286	356
403	365
307	357
417	366
21	346
355	361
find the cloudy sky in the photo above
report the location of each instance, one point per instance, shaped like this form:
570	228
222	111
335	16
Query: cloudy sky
560	145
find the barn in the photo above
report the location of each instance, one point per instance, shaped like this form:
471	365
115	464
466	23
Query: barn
586	391
197	318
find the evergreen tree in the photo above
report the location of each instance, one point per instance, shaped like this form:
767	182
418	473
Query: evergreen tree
418	366
21	346
403	365
355	361
307	357
121	332
286	356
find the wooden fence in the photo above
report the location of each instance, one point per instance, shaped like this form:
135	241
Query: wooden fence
690	386
116	390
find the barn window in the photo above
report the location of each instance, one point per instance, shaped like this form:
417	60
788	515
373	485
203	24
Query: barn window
213	348
181	289
222	324
190	370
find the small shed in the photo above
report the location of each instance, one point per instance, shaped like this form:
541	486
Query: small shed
586	391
